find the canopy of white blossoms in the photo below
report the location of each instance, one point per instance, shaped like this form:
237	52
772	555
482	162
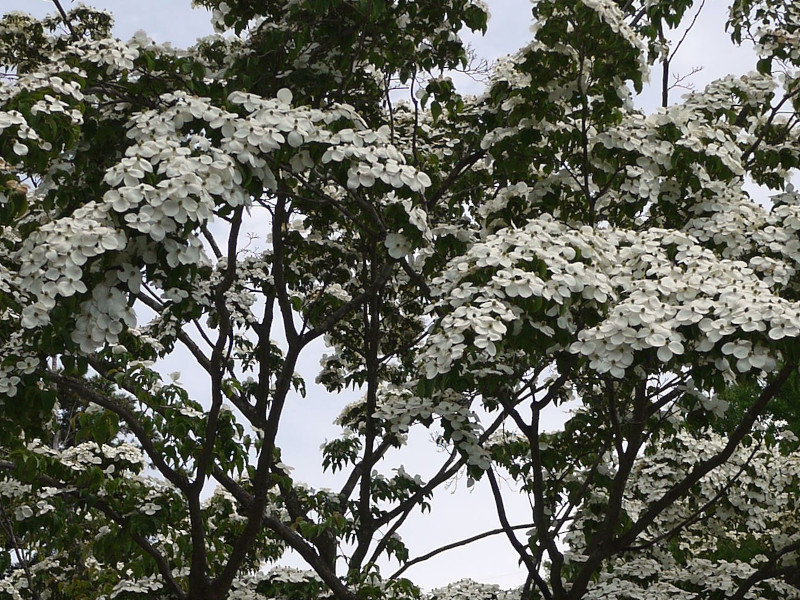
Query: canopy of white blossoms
471	263
618	293
172	177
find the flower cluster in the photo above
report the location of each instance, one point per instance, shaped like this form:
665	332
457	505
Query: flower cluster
400	408
633	292
467	589
82	456
610	13
52	257
171	178
58	95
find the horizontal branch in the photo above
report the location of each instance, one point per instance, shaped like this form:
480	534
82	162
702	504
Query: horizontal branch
458	544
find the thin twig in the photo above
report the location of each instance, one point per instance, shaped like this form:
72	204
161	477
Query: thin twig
20	558
73	34
686	33
457	544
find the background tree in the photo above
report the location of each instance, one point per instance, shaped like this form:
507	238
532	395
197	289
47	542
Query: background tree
471	262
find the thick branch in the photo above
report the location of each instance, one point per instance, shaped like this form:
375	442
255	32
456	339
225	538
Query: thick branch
372	337
702	469
698	514
769	570
279	218
289	536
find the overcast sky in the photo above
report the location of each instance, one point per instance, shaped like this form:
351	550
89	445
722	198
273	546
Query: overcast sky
456	512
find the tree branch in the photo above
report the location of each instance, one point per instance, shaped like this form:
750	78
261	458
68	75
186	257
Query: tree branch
73	34
453	545
525	558
21	560
79	387
702	469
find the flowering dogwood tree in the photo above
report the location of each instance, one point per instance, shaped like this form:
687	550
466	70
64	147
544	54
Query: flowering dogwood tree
470	262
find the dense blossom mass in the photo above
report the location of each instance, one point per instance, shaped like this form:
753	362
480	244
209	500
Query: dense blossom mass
309	174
